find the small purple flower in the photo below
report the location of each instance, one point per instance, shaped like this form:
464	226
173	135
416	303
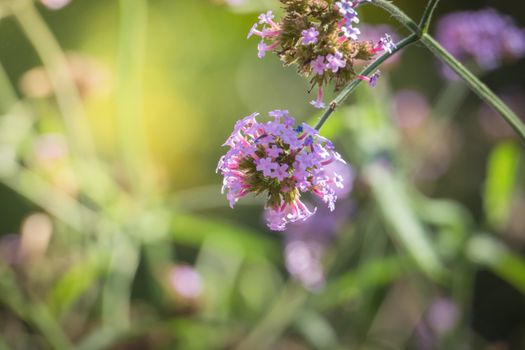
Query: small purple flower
345	7
318	65
273	151
278	114
374	78
266	18
281	172
282	160
262	48
386	44
335	61
254	31
318	102
267	166
373	33
338	180
350	32
310	36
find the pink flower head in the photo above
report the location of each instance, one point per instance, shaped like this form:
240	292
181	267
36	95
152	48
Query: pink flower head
283	161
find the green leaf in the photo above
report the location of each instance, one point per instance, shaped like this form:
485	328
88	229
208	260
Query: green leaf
485	250
406	229
500	182
79	278
373	274
194	230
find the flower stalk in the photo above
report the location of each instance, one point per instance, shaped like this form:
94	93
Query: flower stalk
419	33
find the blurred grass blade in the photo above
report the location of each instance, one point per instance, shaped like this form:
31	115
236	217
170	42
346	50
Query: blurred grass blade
131	56
35	313
406	228
500	182
372	274
280	315
317	330
485	250
116	295
8	95
194	230
75	282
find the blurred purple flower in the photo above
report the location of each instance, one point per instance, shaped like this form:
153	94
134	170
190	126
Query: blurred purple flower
410	108
55	4
186	282
305	245
10	248
439	319
442	315
303	261
485	36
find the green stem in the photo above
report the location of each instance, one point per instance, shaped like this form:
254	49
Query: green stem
355	83
56	65
427	15
7	93
399	15
131	52
475	85
62	206
470	79
419	34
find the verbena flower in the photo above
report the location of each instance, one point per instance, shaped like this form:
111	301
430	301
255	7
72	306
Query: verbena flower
372	80
283	161
374	33
321	38
485	37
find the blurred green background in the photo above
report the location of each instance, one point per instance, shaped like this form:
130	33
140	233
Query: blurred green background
114	233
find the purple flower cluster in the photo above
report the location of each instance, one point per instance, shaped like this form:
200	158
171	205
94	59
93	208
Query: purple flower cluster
269	30
347	10
485	36
283	161
321	38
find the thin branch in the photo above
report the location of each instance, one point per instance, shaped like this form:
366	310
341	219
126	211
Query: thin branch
427	15
355	83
